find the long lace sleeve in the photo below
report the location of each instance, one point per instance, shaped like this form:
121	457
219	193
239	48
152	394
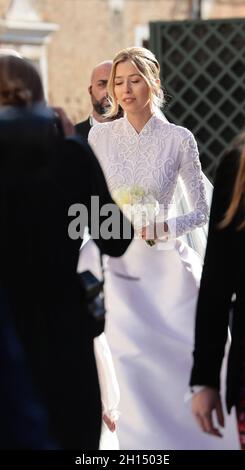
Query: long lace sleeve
191	175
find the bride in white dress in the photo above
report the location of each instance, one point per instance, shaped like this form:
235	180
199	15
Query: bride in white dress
151	292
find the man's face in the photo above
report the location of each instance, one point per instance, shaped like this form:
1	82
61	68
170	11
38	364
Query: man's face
98	88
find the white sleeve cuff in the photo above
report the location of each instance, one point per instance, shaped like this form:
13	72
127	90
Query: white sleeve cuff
193	391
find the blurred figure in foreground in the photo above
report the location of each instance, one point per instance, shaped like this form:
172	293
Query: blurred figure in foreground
41	176
223	279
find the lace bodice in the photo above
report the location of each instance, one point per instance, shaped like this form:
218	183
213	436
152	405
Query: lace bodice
153	159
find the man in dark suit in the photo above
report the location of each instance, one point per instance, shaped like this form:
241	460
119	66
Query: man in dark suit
99	98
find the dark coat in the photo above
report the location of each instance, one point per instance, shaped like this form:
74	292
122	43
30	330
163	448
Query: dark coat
223	275
24	419
41	175
83	128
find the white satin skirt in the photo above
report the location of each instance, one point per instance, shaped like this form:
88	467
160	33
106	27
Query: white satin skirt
151	295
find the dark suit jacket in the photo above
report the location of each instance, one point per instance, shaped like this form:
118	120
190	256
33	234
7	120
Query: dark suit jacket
223	275
41	175
83	128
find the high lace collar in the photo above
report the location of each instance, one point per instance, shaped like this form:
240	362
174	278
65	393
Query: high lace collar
147	126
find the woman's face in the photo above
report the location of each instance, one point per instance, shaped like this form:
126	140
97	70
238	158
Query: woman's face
130	88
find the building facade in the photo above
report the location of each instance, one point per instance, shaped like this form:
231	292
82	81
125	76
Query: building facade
66	38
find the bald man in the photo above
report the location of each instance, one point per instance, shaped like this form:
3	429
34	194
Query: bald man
99	98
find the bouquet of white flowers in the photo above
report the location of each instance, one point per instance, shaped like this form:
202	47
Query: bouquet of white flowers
139	206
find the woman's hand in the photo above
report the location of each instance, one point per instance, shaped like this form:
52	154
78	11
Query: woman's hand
156	231
203	404
109	423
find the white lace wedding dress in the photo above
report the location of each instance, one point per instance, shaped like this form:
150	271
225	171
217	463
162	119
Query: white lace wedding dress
110	393
151	292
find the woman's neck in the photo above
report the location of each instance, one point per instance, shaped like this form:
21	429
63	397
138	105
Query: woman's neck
138	120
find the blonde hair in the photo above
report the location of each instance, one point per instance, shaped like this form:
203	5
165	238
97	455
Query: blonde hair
147	66
238	196
20	84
